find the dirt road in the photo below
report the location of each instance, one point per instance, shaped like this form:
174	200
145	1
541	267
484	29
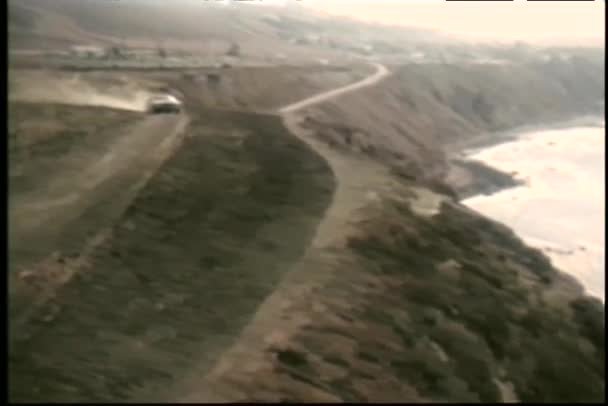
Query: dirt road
189	261
78	182
357	179
358	182
381	73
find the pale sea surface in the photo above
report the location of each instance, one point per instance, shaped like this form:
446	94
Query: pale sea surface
561	210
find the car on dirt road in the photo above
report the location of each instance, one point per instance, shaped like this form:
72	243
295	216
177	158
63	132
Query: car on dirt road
164	104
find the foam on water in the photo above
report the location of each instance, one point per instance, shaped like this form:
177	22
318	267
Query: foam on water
562	208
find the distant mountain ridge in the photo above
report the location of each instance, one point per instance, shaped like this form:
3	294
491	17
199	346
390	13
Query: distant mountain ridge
189	22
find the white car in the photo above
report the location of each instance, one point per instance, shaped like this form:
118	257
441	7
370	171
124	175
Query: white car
164	104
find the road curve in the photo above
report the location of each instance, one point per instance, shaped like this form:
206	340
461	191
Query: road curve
381	72
354	178
353	175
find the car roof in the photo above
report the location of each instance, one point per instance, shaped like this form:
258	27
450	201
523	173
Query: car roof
164	98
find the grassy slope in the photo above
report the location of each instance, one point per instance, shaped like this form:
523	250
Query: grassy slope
51	144
39	134
546	347
436	309
195	253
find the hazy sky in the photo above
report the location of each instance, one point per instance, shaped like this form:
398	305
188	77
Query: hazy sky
516	20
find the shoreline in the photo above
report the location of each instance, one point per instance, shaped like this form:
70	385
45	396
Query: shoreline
485	180
468	147
482	179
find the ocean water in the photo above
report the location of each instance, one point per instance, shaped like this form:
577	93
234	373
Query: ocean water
561	209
